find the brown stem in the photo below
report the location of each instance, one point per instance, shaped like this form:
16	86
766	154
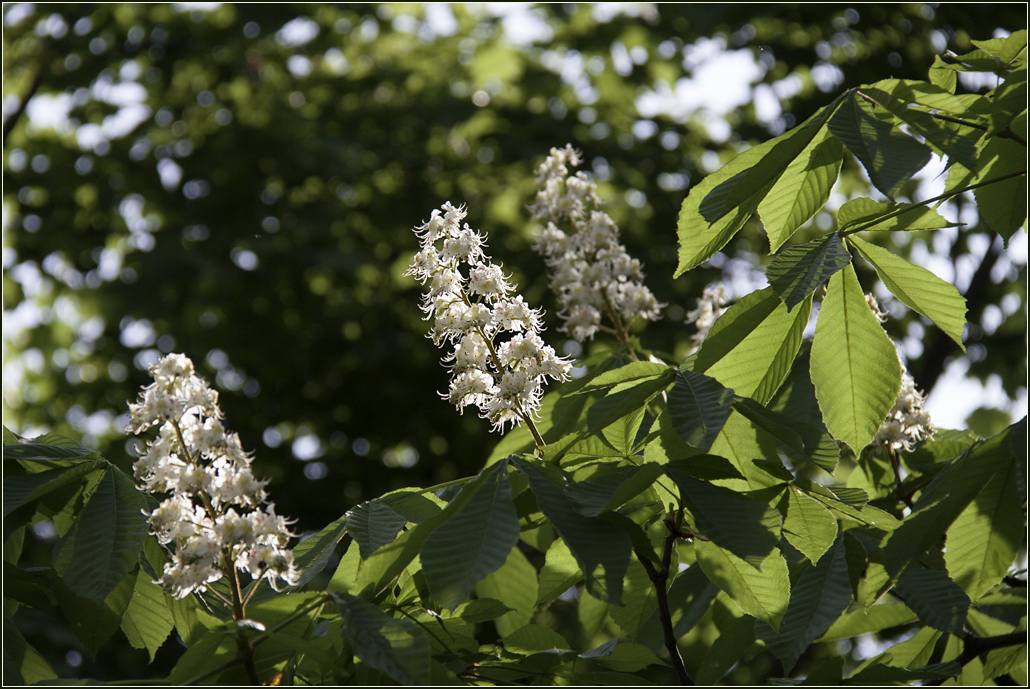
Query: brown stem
245	653
659	579
16	115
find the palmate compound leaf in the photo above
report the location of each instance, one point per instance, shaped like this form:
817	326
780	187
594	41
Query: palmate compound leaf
761	593
103	543
473	542
855	367
596	543
800	270
917	288
717	208
395	646
817	599
802	189
751	347
889	156
698	407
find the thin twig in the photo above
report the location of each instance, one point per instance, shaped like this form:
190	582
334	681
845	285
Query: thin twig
16	115
659	579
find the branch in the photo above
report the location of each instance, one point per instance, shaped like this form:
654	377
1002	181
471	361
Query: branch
975	646
659	579
16	115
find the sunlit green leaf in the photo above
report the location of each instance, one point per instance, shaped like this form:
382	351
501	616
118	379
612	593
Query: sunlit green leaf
373	524
759	592
515	586
865	215
855	367
638	601
148	620
626	399
808	526
312	554
917	288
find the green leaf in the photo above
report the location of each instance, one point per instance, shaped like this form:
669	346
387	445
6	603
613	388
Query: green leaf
592	540
148	620
625	399
312	554
809	526
21	490
747	528
209	652
515	586
817	599
917	288
932	595
10	437
534	638
633	371
607	491
94	622
395	646
802	190
889	157
751	347
628	657
23	664
942	75
103	543
801	441
859	621
51	448
985	538
560	571
373	524
733	641
885	674
699	407
639	601
947	496
1005	49
759	592
897	96
473	542
865	215
800	270
855	367
481	610
1002	204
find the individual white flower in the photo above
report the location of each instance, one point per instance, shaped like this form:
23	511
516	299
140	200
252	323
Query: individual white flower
591	273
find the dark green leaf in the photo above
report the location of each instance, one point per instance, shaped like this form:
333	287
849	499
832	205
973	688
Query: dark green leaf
608	491
802	441
94	622
593	541
148	620
312	554
817	599
932	595
799	271
733	641
397	647
749	529
473	542
515	586
699	407
20	490
690	597
373	524
482	610
104	541
890	157
626	399
23	664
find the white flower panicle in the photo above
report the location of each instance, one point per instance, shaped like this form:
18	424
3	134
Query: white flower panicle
217	515
499	362
591	272
710	306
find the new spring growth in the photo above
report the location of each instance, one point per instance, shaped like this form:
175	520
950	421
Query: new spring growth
907	423
499	362
591	272
217	517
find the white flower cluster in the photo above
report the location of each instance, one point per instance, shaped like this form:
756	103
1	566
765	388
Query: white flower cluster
473	306
908	422
218	515
591	272
710	306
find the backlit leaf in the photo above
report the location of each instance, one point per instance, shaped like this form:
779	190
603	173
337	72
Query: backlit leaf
698	406
761	593
398	647
800	270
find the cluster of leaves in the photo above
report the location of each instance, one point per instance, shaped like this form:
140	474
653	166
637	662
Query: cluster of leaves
678	520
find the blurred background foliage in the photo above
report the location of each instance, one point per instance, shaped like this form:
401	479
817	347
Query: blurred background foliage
239	183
